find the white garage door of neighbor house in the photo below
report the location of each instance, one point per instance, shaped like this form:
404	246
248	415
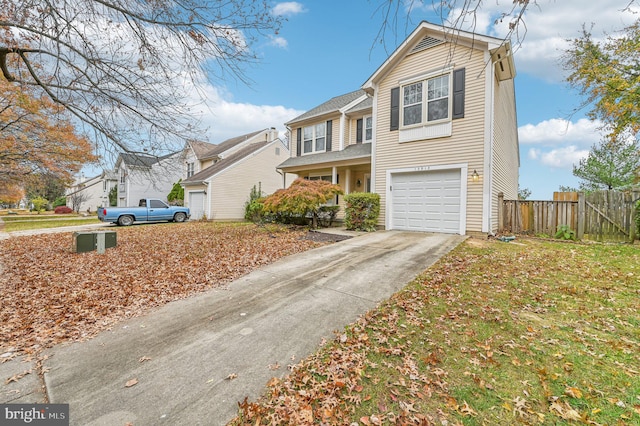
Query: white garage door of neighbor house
196	205
426	201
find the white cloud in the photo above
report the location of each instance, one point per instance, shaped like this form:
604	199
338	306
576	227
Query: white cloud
288	8
279	42
559	143
226	119
560	158
548	25
583	133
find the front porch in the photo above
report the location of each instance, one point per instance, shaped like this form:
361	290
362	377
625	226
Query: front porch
349	168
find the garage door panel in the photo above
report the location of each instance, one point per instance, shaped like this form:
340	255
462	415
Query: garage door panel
426	201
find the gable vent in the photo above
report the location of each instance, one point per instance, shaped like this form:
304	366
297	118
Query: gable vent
426	43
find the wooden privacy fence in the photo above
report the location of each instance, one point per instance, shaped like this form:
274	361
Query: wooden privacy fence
600	216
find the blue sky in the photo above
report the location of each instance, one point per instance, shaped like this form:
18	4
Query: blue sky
327	48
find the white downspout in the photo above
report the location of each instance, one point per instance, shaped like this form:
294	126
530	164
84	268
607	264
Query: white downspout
487	179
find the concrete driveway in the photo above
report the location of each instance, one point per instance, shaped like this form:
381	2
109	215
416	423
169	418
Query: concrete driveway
182	354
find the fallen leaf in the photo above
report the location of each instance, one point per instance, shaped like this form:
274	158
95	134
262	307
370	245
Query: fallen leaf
144	358
573	392
232	376
130	383
273	382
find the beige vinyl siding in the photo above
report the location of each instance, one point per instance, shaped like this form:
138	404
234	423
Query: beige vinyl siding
506	159
466	145
205	164
229	190
351	134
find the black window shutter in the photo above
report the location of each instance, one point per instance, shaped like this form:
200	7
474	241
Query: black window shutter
299	142
329	129
395	108
458	93
359	131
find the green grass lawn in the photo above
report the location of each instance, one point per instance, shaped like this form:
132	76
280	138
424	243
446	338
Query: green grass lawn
22	223
529	332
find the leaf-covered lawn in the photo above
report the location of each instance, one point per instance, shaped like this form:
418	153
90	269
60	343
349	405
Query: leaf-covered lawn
530	332
48	294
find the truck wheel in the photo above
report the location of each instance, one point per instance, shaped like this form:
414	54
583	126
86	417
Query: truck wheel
125	220
179	217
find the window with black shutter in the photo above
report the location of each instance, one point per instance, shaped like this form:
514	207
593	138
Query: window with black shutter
395	109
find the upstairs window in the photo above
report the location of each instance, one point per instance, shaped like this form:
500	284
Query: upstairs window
412	104
314	138
420	109
368	129
431	101
190	169
438	98
364	129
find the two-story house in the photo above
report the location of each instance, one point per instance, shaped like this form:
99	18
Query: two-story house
219	178
87	194
146	176
433	131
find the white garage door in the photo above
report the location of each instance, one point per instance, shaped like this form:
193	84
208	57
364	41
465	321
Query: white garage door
426	201
196	205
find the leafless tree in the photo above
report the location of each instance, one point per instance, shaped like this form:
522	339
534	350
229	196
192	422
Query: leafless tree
130	71
397	18
76	199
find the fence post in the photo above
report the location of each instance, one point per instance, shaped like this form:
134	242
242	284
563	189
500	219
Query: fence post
635	197
581	215
500	211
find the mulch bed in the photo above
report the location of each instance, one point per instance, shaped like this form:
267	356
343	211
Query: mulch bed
324	237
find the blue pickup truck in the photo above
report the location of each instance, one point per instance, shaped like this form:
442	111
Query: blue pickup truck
148	210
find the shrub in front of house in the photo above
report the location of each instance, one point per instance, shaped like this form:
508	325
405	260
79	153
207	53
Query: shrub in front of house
253	208
304	198
176	196
361	211
60	201
63	210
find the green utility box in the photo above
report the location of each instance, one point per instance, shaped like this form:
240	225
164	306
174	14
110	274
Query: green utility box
88	241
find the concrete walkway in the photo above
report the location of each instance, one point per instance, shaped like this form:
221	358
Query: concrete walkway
181	357
75	228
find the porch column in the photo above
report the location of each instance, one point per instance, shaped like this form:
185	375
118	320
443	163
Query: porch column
347	182
334	175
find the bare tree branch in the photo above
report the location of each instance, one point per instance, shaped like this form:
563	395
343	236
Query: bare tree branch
130	70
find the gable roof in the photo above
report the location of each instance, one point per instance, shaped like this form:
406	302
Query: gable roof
229	143
333	104
142	160
226	162
200	148
361	106
499	48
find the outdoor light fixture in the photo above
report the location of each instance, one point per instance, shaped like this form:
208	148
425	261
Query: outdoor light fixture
475	176
358	183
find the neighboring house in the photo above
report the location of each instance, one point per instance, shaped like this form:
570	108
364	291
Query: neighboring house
433	131
91	193
146	176
224	174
